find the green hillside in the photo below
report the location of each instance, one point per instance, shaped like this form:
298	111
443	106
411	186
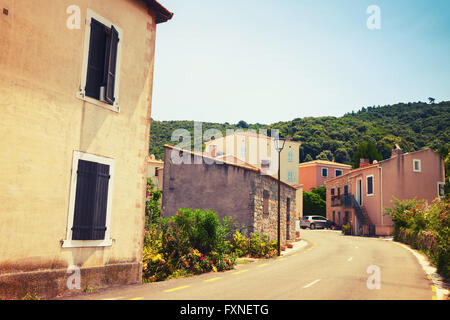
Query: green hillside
414	126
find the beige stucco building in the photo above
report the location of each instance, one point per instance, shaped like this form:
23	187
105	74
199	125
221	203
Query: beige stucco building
76	82
155	170
258	150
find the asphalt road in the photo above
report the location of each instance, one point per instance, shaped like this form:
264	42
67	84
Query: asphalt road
330	267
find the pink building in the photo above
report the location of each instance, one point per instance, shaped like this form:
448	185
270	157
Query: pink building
360	196
313	174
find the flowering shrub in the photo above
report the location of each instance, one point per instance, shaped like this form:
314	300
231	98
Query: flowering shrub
255	245
426	228
191	242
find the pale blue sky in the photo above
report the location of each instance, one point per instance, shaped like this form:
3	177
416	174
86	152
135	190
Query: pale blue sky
275	60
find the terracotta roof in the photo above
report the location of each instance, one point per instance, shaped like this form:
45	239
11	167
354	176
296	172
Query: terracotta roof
324	162
207	156
162	14
243	166
233	159
352	171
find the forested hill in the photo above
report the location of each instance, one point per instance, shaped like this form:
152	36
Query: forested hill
414	126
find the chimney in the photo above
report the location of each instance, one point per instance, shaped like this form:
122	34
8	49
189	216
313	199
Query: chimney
265	164
363	162
396	152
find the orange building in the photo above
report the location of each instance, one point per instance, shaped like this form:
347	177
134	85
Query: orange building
313	174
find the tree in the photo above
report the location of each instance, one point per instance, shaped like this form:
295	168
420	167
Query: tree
431	100
341	155
366	150
326	155
308	158
313	204
321	191
242	124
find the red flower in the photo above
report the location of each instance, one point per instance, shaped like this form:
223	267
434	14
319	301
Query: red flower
210	262
192	251
225	260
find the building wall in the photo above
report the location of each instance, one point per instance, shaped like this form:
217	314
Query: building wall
393	177
311	175
43	123
230	191
222	188
408	184
155	170
259	148
371	204
267	223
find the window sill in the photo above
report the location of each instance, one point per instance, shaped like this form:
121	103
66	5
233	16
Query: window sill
99	103
86	243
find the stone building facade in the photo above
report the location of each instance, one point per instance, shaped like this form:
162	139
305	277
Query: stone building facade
233	190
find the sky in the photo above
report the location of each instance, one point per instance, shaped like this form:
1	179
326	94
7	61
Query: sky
264	61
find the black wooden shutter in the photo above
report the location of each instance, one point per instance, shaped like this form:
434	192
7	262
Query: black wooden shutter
96	61
111	75
91	201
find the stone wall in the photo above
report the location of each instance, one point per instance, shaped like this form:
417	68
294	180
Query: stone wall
267	223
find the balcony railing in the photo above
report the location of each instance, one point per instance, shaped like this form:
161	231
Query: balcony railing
348	201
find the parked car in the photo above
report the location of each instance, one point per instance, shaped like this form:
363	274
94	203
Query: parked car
314	222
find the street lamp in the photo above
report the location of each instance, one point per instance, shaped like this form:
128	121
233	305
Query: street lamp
279	145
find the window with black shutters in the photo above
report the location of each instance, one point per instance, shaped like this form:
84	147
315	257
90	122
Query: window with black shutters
91	200
101	69
369	183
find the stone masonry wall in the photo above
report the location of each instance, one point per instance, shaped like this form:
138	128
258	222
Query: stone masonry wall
268	223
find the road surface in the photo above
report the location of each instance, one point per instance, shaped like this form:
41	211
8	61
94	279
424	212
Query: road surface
330	267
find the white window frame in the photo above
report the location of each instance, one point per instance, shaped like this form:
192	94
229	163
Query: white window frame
438	189
336	170
290	175
68	242
321	172
367	185
81	94
420	165
243	152
290	156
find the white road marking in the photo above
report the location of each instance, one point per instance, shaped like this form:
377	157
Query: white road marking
312	283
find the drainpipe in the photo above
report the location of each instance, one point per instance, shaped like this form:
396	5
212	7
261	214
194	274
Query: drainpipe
381	193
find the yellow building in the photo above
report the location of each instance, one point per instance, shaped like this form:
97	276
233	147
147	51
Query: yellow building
259	151
155	170
76	82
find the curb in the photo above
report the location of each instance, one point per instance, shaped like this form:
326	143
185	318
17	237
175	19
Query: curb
297	246
439	287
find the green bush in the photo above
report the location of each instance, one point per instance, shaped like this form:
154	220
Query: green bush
426	228
191	242
254	245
